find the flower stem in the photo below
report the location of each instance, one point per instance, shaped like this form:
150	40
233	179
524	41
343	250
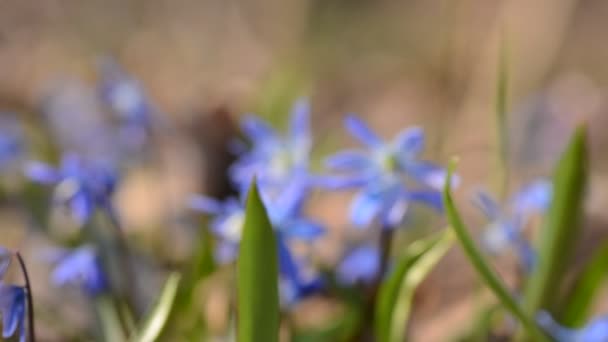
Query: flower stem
30	302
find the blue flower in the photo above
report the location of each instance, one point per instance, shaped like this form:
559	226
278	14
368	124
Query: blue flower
595	331
275	158
80	267
12	302
391	175
360	265
505	230
127	99
227	222
81	185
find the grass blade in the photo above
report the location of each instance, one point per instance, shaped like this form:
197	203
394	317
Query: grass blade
561	229
586	289
501	101
396	292
157	319
480	265
257	275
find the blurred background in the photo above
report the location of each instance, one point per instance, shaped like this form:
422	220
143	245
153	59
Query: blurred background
394	63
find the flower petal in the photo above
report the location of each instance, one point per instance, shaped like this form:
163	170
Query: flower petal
299	127
257	129
535	197
41	173
433	199
360	264
362	132
205	204
487	204
410	142
365	208
349	160
303	229
430	174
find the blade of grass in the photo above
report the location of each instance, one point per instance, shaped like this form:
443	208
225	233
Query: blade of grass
501	101
561	229
586	288
480	265
397	291
157	319
257	275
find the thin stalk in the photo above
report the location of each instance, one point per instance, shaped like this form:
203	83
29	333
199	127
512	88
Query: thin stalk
30	302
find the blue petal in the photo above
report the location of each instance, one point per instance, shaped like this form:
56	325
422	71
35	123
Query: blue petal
225	252
362	132
341	182
300	120
487	204
360	265
393	217
430	174
349	160
13	309
287	264
257	129
558	332
597	330
432	199
41	173
365	208
205	204
535	197
410	142
81	207
303	229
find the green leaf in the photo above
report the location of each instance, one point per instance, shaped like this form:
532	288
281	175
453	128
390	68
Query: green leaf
582	295
561	229
157	318
485	272
396	293
257	275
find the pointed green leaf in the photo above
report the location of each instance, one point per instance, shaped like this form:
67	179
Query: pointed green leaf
586	288
396	293
483	269
257	274
157	318
561	229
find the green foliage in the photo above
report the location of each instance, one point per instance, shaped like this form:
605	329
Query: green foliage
396	292
257	274
561	229
157	318
585	290
485	272
342	328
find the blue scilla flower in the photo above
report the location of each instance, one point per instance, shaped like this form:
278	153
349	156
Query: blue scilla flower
360	265
274	157
284	212
127	99
504	231
391	175
12	302
80	267
82	185
594	331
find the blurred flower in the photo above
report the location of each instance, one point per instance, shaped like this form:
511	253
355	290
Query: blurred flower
81	184
385	172
595	331
360	264
80	267
275	158
506	227
288	222
12	302
12	146
127	99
